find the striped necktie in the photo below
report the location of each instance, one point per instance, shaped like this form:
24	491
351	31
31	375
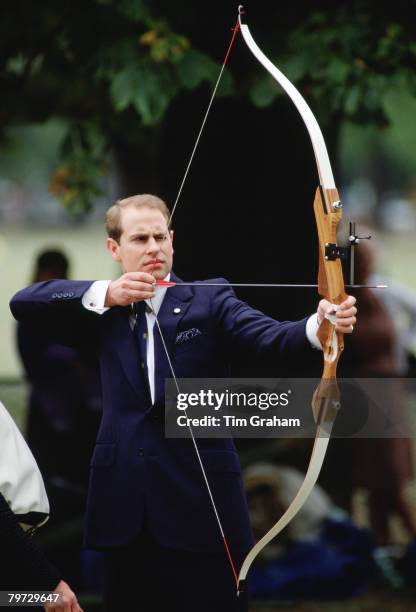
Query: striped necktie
140	332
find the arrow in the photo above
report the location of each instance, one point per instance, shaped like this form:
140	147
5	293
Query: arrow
168	284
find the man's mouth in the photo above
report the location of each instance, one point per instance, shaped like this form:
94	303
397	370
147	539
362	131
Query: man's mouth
154	263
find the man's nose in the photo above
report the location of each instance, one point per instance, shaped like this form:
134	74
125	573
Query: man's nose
152	246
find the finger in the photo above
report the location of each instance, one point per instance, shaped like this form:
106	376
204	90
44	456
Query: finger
141	276
139	296
330	308
139	289
137	282
140	286
346	322
350	301
345	329
344	314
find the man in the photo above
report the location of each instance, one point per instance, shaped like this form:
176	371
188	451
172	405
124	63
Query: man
148	504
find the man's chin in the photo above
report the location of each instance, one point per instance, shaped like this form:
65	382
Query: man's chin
158	272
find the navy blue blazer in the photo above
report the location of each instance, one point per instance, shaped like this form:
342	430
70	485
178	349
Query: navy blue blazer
139	479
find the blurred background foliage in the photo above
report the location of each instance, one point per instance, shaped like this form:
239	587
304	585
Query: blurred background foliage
110	70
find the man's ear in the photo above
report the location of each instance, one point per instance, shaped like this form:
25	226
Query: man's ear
114	248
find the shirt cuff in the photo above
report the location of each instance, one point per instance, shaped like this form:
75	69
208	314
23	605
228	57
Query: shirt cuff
94	298
311	331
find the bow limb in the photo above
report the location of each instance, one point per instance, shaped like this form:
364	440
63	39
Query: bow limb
315	465
327	208
318	143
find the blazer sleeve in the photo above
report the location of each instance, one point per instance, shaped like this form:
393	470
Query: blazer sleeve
248	329
54	308
24	564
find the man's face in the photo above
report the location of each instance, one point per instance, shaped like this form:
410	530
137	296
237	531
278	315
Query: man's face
145	243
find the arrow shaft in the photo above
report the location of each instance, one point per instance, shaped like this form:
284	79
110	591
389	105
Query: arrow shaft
265	285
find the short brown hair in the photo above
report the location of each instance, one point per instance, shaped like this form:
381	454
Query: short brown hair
143	200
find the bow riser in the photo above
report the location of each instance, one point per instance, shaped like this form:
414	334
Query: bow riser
330	275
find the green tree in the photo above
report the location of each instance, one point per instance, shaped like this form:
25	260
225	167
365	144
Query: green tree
113	68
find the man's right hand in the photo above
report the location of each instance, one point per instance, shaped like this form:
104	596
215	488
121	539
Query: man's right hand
129	288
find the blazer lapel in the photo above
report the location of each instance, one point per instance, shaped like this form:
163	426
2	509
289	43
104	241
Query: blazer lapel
128	352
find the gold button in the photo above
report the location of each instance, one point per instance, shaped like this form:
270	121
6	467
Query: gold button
142	364
144	336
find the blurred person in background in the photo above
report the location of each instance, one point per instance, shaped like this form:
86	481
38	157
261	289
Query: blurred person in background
383	467
64	406
26	568
24	507
64	398
400	302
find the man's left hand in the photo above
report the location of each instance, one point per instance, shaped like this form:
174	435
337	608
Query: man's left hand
345	314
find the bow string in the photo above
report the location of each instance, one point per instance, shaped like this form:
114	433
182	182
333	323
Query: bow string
328	213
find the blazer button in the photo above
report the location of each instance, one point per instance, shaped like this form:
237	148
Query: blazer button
141	452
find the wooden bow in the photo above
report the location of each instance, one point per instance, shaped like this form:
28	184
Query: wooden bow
328	213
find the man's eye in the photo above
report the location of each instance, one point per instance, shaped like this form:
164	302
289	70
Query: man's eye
160	237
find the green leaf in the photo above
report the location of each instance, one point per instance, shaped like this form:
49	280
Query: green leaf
154	91
122	89
160	50
337	70
195	67
294	67
351	100
264	91
135	10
